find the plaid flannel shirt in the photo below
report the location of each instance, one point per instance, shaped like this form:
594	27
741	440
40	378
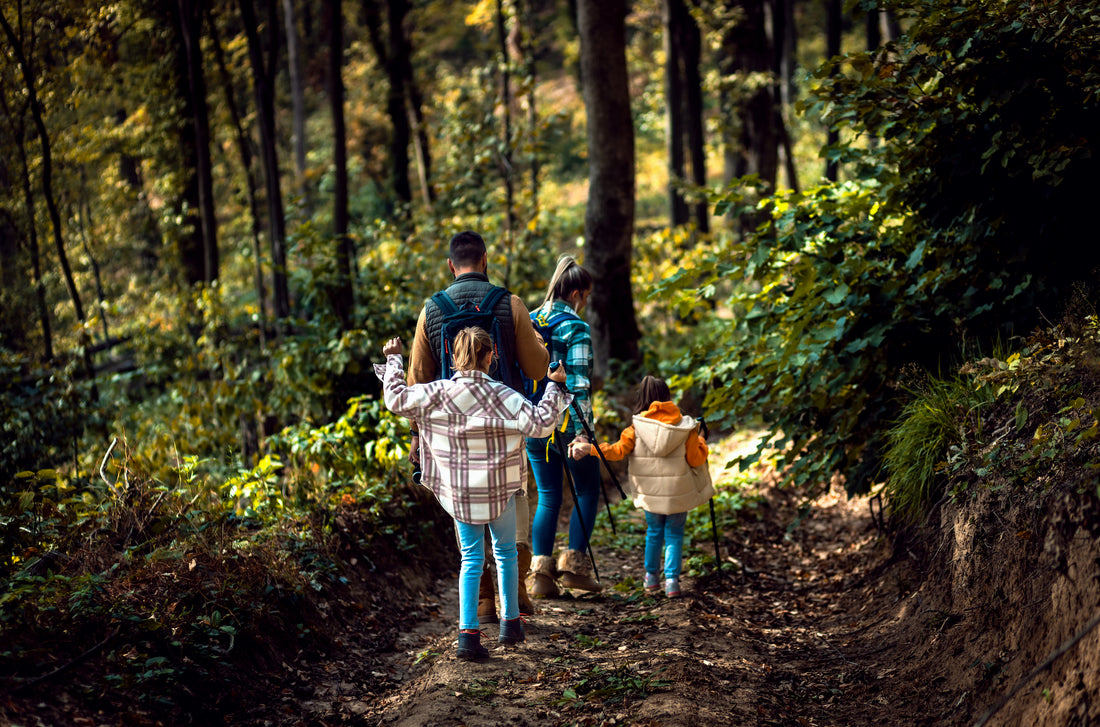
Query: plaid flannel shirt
571	343
472	432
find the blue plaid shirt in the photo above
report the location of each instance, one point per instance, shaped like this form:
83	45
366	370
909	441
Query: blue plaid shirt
571	343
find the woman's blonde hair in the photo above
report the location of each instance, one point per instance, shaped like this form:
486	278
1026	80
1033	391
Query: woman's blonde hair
568	278
471	345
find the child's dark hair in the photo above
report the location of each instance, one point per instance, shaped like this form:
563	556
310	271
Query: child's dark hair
568	278
650	390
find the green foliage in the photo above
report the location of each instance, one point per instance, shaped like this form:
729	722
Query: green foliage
929	243
941	415
43	413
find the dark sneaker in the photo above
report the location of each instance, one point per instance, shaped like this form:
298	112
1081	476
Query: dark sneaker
470	648
511	632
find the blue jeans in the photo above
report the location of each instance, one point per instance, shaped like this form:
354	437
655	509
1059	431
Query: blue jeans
547	469
471	543
664	533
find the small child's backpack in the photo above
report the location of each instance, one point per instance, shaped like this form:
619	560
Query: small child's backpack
544	323
481	315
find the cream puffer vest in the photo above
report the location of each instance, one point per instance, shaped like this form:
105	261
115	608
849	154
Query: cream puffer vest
663	482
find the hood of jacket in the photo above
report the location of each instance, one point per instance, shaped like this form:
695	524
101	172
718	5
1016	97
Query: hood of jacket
662	428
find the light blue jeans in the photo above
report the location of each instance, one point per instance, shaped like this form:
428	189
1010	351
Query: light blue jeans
471	544
664	533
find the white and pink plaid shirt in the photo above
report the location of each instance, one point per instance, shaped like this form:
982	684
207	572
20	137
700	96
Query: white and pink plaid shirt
472	433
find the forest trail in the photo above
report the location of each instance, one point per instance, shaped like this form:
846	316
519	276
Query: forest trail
791	638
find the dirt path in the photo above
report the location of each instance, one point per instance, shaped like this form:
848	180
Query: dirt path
788	640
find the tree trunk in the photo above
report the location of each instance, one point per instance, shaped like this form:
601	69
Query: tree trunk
506	165
189	15
746	50
342	295
263	81
691	46
674	112
527	56
32	239
84	220
297	96
833	31
31	89
244	149
609	215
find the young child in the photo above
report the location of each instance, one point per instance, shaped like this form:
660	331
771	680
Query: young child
472	434
667	466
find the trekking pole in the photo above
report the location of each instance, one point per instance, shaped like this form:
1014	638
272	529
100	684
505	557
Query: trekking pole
713	525
591	436
576	503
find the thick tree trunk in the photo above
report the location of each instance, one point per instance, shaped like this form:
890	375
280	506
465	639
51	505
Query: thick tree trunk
263	80
189	19
342	296
746	50
527	57
609	215
672	16
692	48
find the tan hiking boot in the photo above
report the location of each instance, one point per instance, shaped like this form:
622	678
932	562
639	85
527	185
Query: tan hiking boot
486	598
576	572
541	583
523	560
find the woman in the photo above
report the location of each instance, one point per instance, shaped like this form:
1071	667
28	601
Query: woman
570	342
472	430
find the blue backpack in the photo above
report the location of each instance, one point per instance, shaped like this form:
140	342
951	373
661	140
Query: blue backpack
481	315
545	325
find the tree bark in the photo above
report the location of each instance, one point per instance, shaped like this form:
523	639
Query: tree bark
189	27
32	235
342	294
691	46
833	31
672	12
263	81
506	164
609	215
297	96
245	150
35	107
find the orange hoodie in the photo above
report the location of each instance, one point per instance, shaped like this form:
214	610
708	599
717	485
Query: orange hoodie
668	413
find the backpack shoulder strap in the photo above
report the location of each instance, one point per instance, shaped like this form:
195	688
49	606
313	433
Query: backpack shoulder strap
489	302
446	304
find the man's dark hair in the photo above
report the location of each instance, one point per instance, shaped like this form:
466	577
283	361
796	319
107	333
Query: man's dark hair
467	249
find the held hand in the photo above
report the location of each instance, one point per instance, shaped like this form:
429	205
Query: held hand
392	346
556	372
580	450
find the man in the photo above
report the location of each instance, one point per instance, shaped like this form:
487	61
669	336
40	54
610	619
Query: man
468	261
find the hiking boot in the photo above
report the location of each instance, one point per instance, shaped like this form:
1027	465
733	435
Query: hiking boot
523	560
543	574
511	631
672	587
486	600
652	583
576	572
469	646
